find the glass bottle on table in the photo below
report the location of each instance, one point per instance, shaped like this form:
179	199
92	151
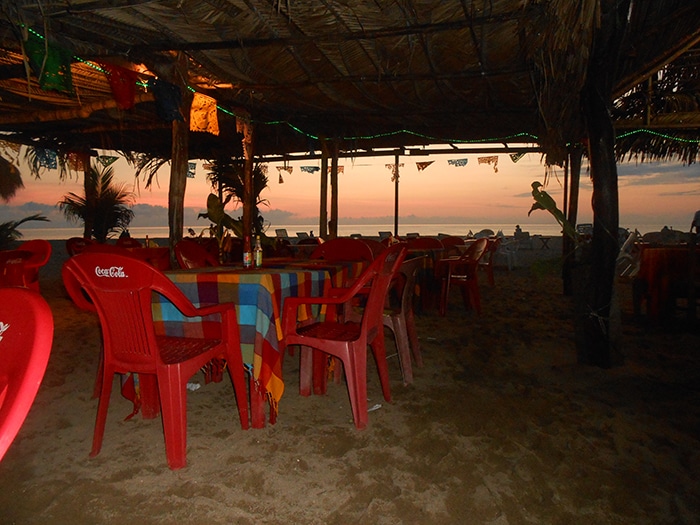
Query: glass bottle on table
247	253
257	253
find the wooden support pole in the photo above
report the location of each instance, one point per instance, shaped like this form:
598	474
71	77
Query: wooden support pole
323	201
245	127
396	195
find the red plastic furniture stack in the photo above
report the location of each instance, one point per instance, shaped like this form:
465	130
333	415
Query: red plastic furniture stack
26	336
120	287
345	339
191	254
343	249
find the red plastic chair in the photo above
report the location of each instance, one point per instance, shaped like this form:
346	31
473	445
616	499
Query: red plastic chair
343	249
121	289
26	336
462	271
76	245
486	261
40	251
128	242
451	243
400	318
12	267
191	254
374	245
348	340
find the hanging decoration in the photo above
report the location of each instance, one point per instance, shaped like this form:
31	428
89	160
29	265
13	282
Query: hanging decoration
490	160
50	63
286	168
460	163
341	169
310	169
47	158
394	170
106	160
168	97
422	165
122	81
76	161
191	169
203	114
12	146
515	157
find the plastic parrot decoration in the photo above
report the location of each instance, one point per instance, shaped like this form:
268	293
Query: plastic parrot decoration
544	201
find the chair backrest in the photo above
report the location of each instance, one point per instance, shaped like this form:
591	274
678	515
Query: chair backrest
409	270
12	267
76	245
374	245
424	243
492	246
451	244
128	242
343	249
40	250
26	336
281	232
475	251
383	270
121	289
190	254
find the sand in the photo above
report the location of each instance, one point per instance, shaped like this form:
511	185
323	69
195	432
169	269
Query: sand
500	426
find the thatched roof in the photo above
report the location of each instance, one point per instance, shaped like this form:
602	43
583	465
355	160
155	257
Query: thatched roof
371	73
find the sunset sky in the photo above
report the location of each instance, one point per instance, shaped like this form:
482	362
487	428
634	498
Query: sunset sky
650	193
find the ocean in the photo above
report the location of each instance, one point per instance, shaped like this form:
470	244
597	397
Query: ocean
367	230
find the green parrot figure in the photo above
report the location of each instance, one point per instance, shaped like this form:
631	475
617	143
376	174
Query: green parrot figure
543	201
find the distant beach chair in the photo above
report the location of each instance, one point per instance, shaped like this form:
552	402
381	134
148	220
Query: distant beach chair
281	233
384	235
302	235
412	235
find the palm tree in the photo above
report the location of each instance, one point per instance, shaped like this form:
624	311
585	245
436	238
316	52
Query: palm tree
227	176
105	207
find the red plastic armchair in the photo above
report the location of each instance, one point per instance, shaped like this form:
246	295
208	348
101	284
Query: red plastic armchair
400	318
191	254
12	267
128	242
348	340
121	288
343	249
40	253
487	259
76	245
424	243
26	336
374	245
462	271
452	245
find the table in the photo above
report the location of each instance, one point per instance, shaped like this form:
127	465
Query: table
660	269
259	296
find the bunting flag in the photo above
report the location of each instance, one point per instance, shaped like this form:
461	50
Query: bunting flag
490	160
515	157
12	146
281	180
422	165
106	160
168	99
288	169
460	163
310	169
122	81
341	169
76	161
203	116
394	170
191	169
51	64
47	158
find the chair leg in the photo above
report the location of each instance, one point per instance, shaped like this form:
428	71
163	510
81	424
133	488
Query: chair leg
306	371
238	377
102	406
444	295
413	338
401	337
475	296
172	387
355	366
379	351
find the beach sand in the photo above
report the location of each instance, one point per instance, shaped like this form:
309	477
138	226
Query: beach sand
500	426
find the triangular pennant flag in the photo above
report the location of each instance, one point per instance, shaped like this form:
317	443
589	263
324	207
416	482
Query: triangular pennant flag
288	169
106	160
203	116
394	170
341	169
168	97
191	169
50	63
47	158
490	160
281	180
460	163
422	165
515	157
310	169
76	161
122	81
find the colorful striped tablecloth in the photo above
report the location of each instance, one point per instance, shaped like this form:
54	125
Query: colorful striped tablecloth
258	296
